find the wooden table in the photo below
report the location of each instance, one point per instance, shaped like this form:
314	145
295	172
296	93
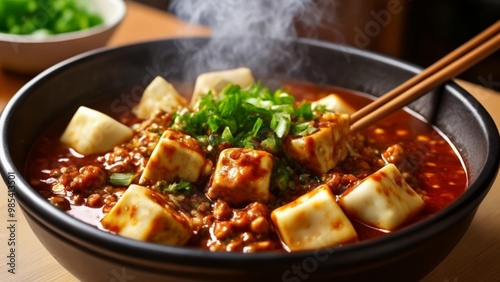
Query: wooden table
476	258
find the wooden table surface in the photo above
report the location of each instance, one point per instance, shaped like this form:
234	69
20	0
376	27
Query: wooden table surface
476	257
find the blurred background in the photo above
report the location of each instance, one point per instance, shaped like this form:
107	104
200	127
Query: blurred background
419	32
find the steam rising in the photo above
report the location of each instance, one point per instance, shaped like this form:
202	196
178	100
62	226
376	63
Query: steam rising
241	30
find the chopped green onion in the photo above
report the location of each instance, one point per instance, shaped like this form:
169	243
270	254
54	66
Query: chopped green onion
256	127
303	129
320	109
121	179
227	136
46	17
213	124
177	187
305	111
231	101
283	175
289	109
269	144
283	97
280	123
246	142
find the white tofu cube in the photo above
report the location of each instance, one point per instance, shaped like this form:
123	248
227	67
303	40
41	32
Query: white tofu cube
322	150
143	214
242	176
383	199
334	103
176	156
159	95
313	221
217	80
91	132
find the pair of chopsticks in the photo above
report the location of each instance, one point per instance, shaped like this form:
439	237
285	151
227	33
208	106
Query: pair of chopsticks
465	56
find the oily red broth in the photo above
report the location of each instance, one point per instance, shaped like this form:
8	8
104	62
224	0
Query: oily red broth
427	160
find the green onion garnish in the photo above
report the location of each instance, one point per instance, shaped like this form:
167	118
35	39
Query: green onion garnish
121	179
253	117
177	187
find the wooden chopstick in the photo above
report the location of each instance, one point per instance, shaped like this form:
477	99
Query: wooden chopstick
448	67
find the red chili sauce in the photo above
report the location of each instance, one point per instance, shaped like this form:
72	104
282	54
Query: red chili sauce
429	163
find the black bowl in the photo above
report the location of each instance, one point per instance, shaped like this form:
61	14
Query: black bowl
94	255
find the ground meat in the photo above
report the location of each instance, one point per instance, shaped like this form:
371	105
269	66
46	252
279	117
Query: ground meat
87	178
94	201
241	230
395	154
222	211
120	160
339	182
406	161
60	202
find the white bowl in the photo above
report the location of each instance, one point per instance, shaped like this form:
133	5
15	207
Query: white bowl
31	54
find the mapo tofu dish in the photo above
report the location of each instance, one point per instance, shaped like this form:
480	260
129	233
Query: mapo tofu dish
240	167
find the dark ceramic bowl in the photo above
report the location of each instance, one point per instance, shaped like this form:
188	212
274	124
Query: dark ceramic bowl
94	255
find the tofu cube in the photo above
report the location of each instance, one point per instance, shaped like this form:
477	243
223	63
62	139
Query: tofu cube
91	132
217	80
383	199
334	103
159	95
176	156
313	221
323	149
143	214
242	176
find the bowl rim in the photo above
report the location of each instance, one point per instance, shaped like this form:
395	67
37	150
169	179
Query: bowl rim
120	10
83	234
